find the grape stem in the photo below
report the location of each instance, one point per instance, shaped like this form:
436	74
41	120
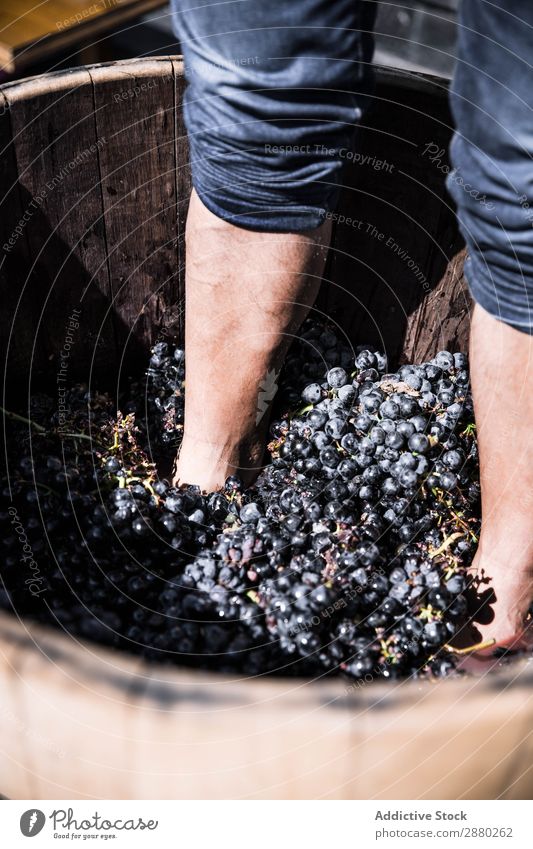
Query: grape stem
19	418
446	544
485	644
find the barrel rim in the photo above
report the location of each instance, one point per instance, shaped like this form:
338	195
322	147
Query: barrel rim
163	682
385	75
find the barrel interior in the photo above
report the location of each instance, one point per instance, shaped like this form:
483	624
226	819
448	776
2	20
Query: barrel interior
95	182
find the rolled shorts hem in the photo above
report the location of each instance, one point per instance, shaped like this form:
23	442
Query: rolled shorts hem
480	290
295	219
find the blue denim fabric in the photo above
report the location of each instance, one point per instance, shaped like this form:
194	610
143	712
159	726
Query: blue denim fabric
275	92
492	154
277	88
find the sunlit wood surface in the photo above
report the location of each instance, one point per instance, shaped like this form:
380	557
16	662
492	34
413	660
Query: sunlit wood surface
31	30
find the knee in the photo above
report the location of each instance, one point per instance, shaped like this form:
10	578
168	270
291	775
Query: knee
266	133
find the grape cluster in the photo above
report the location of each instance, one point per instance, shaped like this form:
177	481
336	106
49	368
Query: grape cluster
158	401
349	553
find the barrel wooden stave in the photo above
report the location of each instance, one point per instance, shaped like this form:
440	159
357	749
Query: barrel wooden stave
94	172
105	725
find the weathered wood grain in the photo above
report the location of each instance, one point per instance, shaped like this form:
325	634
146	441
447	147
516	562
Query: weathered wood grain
57	157
18	317
134	112
29	31
175	322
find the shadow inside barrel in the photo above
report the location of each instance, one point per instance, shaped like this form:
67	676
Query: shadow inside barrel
49	288
394	276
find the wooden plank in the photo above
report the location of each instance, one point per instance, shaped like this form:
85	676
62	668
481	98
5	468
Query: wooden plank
422	750
219	738
30	32
19	313
83	721
443	319
134	107
175	325
57	154
16	723
69	712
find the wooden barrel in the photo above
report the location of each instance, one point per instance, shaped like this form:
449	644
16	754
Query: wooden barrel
95	183
78	721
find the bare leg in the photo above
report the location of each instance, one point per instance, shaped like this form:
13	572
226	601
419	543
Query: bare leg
502	384
246	296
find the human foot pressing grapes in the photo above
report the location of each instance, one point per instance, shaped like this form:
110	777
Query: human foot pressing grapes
500	606
502	385
247	294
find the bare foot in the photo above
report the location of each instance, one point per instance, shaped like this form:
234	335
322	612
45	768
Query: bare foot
209	466
247	294
501	601
501	359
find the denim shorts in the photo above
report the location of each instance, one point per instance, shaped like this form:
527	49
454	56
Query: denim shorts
277	88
